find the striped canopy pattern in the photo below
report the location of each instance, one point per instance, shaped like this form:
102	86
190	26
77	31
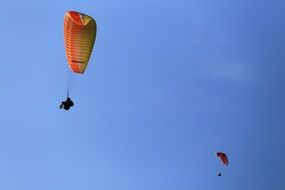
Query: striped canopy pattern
79	37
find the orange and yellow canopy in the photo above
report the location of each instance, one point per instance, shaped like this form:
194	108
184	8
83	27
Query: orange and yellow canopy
79	37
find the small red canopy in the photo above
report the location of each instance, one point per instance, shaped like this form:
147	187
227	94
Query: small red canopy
223	157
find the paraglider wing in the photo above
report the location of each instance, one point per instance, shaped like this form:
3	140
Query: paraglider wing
223	157
79	37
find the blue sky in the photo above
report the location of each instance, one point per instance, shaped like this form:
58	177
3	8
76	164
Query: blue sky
169	83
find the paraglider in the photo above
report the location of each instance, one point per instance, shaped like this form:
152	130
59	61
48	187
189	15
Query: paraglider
79	38
66	104
224	159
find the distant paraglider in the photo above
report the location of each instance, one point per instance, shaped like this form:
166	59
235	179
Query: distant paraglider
224	159
66	104
79	38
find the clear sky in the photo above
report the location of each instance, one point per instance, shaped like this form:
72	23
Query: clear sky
169	83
